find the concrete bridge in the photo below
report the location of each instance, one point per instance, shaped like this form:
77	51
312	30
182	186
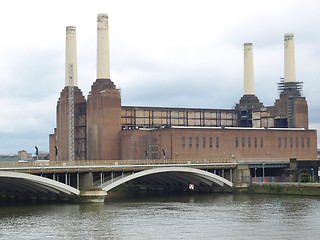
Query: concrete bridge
91	180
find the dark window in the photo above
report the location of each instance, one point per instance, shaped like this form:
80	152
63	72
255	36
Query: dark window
261	142
285	142
279	142
197	141
308	142
204	142
243	142
297	142
183	142
190	141
249	142
255	142
302	142
291	142
210	141
237	142
217	141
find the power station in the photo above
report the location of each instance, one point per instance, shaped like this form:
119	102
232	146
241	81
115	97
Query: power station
100	128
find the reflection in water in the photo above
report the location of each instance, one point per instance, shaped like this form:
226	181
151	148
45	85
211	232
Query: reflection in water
155	216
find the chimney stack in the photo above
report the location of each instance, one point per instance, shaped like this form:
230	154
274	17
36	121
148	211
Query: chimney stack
71	57
103	62
248	70
289	59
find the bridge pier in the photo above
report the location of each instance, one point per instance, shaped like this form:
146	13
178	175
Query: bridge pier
85	180
243	173
95	195
89	193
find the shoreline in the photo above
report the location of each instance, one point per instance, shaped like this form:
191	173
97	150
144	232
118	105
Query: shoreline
301	189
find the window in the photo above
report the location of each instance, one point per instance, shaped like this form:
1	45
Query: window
302	142
210	141
243	142
197	141
261	142
297	142
190	141
217	141
285	142
237	142
308	142
255	142
204	142
183	142
279	142
249	142
291	142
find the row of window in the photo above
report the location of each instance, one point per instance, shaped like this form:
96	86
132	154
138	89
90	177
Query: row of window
285	143
204	142
249	142
243	142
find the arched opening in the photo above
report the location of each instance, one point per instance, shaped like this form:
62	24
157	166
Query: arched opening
173	178
22	186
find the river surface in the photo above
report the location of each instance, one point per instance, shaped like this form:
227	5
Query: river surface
209	216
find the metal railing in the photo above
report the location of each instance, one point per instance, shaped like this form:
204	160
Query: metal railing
266	179
42	163
262	160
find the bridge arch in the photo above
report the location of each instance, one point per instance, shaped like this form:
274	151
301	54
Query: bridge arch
184	174
28	185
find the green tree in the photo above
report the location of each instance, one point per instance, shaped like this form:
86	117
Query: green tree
304	177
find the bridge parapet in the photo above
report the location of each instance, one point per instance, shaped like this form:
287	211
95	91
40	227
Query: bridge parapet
113	162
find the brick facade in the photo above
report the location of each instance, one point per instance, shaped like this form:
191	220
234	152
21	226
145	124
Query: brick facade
103	121
219	143
61	138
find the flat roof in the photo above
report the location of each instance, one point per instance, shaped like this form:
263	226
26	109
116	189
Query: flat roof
227	128
183	109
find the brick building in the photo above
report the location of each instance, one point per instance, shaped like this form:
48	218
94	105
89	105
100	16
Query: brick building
102	129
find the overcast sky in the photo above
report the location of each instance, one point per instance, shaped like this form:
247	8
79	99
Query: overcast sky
163	53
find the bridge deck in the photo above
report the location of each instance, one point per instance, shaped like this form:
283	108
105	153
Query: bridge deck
121	165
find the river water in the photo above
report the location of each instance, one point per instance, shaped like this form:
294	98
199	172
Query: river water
209	216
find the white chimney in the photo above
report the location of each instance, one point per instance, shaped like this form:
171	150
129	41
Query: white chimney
289	59
248	70
71	57
103	62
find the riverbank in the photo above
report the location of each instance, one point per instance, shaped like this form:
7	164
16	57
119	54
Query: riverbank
302	189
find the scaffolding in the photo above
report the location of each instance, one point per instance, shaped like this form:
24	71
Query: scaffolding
245	108
291	90
294	89
71	112
80	134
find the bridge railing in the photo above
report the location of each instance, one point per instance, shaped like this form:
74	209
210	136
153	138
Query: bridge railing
114	162
264	160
